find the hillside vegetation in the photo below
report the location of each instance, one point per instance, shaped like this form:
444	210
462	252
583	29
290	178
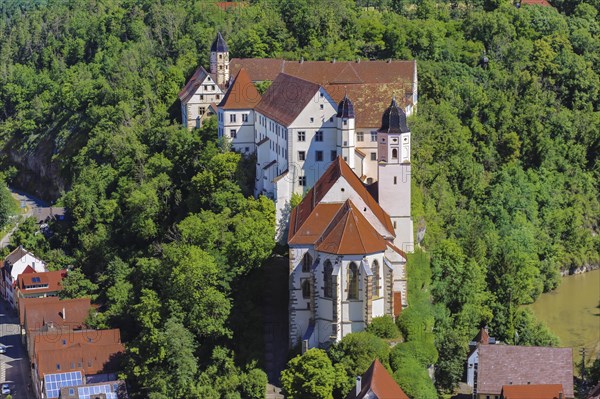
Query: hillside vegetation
162	230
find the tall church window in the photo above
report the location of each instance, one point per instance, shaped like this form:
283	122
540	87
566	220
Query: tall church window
352	281
375	270
306	262
395	153
306	288
328	279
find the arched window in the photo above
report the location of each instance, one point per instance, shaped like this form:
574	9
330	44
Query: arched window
375	270
395	153
306	262
352	281
328	279
306	289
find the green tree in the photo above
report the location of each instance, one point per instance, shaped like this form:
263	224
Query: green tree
310	375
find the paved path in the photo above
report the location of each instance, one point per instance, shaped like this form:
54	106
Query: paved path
26	201
14	364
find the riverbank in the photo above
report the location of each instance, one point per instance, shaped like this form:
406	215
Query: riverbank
580	270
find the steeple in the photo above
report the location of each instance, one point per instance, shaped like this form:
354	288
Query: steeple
345	130
345	108
219	60
394	119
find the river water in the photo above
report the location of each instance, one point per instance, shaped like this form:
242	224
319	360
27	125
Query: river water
572	312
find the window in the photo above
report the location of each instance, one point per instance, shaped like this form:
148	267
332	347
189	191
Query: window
201	110
57	366
201	97
220	56
331	119
306	289
328	279
302	181
312	120
247	149
71	391
352	281
375	270
301	136
233	133
319	136
395	153
373	156
395	180
333	155
373	136
321	106
345	121
244	117
360	136
212	87
218	96
319	156
301	155
232	118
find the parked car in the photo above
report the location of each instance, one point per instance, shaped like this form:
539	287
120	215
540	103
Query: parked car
2	348
5	389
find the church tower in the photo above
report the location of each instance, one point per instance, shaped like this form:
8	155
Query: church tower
394	173
345	131
219	60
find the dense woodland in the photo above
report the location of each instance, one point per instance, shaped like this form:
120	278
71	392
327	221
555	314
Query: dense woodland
164	235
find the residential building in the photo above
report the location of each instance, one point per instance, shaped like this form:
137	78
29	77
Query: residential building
104	390
542	3
38	285
532	391
482	338
376	383
17	262
505	365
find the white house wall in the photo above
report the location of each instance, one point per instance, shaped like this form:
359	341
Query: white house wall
207	93
243	141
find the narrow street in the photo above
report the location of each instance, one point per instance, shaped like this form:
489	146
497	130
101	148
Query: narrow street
14	364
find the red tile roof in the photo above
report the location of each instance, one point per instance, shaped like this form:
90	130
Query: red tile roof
302	213
532	391
377	380
349	233
535	3
286	98
53	281
192	85
369	84
521	365
226	5
242	94
40	312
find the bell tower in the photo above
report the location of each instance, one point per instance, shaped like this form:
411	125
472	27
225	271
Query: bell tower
219	60
394	173
345	123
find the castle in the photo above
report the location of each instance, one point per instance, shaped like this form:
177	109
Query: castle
336	133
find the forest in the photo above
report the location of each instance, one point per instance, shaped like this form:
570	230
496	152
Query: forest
163	231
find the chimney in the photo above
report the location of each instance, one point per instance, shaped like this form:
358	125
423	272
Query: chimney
64	316
359	386
560	395
302	60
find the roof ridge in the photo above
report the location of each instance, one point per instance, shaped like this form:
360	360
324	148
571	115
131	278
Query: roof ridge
358	230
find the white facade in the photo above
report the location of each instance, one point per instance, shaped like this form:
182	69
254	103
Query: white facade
237	127
15	265
195	108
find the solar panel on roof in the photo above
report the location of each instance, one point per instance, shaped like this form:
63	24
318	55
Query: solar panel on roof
54	382
85	392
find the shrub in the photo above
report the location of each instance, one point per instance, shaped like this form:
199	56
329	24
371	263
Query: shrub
384	327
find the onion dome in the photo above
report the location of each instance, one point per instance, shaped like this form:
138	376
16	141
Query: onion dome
394	119
345	108
219	45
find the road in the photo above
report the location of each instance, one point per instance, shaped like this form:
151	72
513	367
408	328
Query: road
27	201
14	364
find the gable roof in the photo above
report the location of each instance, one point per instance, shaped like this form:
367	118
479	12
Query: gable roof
378	381
301	213
51	312
349	233
286	98
58	340
520	365
532	391
53	280
192	84
242	94
17	255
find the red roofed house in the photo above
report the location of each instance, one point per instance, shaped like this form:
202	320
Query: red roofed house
17	262
38	285
505	365
376	383
532	391
93	353
542	3
40	315
345	264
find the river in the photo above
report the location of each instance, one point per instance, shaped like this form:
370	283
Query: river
572	312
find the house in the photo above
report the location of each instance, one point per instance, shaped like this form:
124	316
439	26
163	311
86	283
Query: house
40	315
104	390
17	262
38	285
346	266
505	365
542	3
482	338
376	383
89	355
532	391
204	90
